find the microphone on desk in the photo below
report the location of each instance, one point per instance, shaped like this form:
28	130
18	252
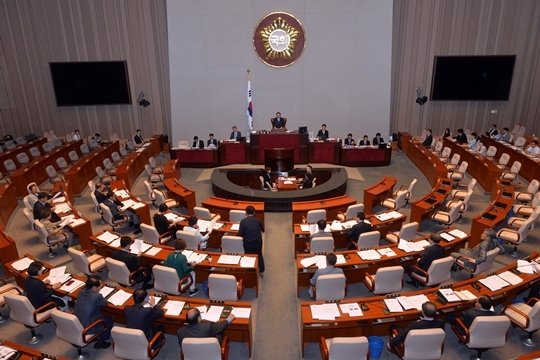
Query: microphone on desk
235	202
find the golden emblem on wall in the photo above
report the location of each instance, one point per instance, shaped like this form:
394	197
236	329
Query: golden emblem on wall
279	39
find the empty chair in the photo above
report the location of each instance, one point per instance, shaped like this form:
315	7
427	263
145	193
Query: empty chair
150	193
54	177
86	262
119	272
123	152
116	158
528	195
192	243
461	194
7	288
319	245
52	134
153	178
156	169
231	244
515	222
62	163
516	237
204	214
314	215
408	189
47	136
166	280
84	149
386	280
527	210
70	329
57	142
49	240
330	287
395	203
27	204
437	148
161	198
448	217
109	219
69	137
453	164
437	273
183	144
23	312
236	216
486	332
48	147
515	129
513	173
34	151
344	348
22	158
521	131
104	178
132	344
525	316
483	266
10	144
131	145
352	211
20	140
445	154
503	161
30	217
73	156
91	185
204	348
422	344
458	175
151	235
464	204
10	165
520	141
407	233
368	239
109	167
114	137
491	152
225	287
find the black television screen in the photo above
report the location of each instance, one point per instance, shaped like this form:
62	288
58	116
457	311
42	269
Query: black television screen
472	77
90	83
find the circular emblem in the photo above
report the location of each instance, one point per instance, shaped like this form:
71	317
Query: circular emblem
279	39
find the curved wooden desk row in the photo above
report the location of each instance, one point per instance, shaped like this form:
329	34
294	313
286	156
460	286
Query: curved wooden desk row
84	170
331	205
375	322
133	165
181	194
28	353
355	269
8	202
375	195
35	170
8	250
202	270
239	330
25	148
424	207
143	212
480	167
223	206
340	236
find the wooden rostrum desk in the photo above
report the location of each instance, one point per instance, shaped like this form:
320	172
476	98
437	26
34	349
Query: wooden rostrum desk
375	322
239	330
376	194
202	270
331	205
222	207
356	268
427	205
181	194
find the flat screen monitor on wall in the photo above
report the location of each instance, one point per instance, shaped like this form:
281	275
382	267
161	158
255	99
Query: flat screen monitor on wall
472	77
90	83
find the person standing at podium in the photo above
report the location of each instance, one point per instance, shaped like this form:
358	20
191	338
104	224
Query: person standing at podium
235	134
323	133
278	122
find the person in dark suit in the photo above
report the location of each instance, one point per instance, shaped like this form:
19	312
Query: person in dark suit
461	137
36	289
250	230
377	140
331	260
349	140
133	263
307	181
101	193
267	178
43	203
117	213
142	318
430	254
212	141
493	131
197	329
482	307
361	226
429	139
364	141
162	224
138	137
235	134
278	122
427	321
323	133
197	143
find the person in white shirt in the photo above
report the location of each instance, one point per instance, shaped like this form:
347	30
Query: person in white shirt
474	141
76	135
533	149
194	228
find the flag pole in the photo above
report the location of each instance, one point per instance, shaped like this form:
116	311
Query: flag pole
249	104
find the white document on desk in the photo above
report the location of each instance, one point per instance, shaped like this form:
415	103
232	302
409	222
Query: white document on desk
308	261
77	222
325	311
235	227
106	290
406	303
387	252
108	237
229	259
119	298
136	246
121	193
384	216
138	205
174	307
406	246
449	295
395	214
369	255
243	313
204	225
420	245
458	233
352	309
321	261
340	259
74	284
56	274
393	305
127	204
213	313
348	224
62	208
22	264
494	283
153	251
418	300
336	225
197	257
304	227
528	267
247	261
512	278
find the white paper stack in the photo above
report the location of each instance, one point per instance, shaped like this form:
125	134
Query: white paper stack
119	298
353	309
528	267
213	313
74	284
204	225
173	217
387	252
62	208
66	220
197	257
325	311
127	204
458	233
465	295
449	295
413	302
304	227
321	261
77	222
336	225
393	305
108	237
22	264
340	259
235	227
153	251
307	261
139	245
59	199
229	259
239	312
138	205
447	236
406	246
395	214
494	283
247	261
121	193
174	307
58	275
106	290
384	216
348	224
369	255
510	277
115	243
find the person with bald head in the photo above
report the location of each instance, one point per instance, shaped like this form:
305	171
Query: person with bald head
196	328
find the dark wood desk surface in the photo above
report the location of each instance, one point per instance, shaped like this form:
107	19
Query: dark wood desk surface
11	154
367	156
376	194
300	143
143	212
181	194
171	169
331	205
8	202
324	152
196	158
8	250
223	206
132	166
428	163
234	153
424	207
26	352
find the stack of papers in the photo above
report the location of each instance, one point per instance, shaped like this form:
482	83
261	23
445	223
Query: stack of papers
393	305
173	217
458	233
108	237
212	314
174	307
449	295
353	309
387	251
139	246
72	285
395	214
138	205
106	290
384	216
307	261
510	277
22	264
62	208
229	259
325	311
336	225
66	220
369	255
119	298
6	352
152	251
58	275
204	225
465	295
524	266
340	259
412	302
244	313
115	243
408	246
197	257
321	261
77	222
127	204
447	236
121	194
494	283
235	227
247	261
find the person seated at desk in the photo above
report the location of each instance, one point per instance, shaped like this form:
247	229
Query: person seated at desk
97	137
321	225
364	141
493	131
44	203
54	229
505	135
323	134
36	289
267	179
211	141
101	192
137	138
473	144
447	133
196	328
197	144
433	252
349	140
427	321
142	318
33	191
331	260
461	137
116	211
178	261
194	228
361	226
164	225
76	135
377	140
533	149
482	307
478	254
429	138
132	262
278	122
307	181
235	134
